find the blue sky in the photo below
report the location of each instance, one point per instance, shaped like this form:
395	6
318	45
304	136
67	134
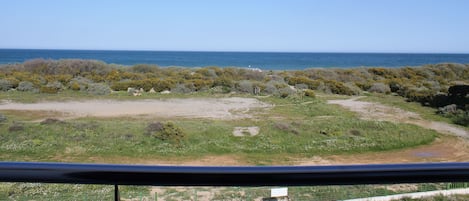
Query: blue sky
440	26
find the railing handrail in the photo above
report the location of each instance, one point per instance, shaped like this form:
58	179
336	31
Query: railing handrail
232	175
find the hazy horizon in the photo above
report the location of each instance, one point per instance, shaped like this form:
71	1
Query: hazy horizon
247	51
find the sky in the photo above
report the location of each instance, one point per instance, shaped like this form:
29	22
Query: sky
412	26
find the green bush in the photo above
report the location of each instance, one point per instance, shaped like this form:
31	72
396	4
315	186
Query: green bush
56	85
286	92
379	88
166	132
98	89
182	89
338	87
48	90
79	83
26	86
245	86
309	93
5	85
312	84
462	119
3	118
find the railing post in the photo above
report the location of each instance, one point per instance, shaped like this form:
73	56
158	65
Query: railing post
116	193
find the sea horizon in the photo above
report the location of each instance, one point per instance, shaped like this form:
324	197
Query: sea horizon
265	60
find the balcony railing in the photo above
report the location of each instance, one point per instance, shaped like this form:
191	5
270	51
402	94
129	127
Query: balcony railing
111	174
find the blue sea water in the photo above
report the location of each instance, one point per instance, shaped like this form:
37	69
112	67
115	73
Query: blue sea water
262	60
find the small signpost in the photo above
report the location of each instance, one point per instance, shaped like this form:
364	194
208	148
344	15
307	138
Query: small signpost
279	193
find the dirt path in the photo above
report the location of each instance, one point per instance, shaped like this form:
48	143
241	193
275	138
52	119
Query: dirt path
213	108
376	111
444	149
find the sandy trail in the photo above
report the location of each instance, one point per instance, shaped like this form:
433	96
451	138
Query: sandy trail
376	111
213	108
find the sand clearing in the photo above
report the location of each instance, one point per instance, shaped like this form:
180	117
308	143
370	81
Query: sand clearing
376	111
213	108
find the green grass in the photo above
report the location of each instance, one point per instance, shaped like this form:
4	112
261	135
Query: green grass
59	192
30	191
314	128
69	95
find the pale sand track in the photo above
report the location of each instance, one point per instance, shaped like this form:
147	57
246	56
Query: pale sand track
213	108
376	111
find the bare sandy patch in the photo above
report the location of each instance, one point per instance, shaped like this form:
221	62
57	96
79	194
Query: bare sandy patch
376	111
213	108
245	131
210	160
446	149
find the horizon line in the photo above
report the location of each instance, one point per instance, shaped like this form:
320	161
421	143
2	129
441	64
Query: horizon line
236	51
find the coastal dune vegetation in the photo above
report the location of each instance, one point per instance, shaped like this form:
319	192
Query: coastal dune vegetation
443	86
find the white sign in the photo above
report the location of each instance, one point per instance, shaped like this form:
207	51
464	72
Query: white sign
279	192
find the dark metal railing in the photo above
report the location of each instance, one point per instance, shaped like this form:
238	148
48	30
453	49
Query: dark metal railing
232	176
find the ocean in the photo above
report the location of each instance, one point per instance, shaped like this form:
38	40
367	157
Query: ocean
261	60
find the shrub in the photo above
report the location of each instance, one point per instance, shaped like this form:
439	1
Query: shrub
379	88
285	127
245	86
144	68
153	127
181	88
355	132
3	118
5	85
363	85
48	90
270	89
312	84
75	86
301	86
286	92
337	88
13	81
98	89
309	93
56	85
458	90
353	88
224	82
26	86
462	119
395	85
165	132
16	127
421	95
49	121
79	83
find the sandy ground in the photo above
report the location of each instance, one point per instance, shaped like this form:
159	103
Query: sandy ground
213	108
375	111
